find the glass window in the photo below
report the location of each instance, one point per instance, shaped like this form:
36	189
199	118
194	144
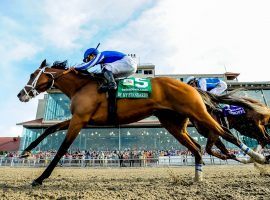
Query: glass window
148	72
57	107
266	94
29	135
107	139
104	139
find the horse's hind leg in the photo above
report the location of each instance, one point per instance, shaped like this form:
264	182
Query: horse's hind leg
195	142
176	125
57	127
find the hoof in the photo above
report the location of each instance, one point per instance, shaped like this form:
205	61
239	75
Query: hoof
36	183
25	154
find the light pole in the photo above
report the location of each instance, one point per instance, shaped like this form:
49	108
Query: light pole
119	138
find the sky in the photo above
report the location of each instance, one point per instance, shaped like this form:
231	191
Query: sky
177	36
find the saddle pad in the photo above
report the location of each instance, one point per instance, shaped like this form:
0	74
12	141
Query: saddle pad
233	110
134	88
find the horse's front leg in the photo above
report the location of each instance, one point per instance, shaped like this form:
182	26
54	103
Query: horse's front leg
76	124
57	127
176	125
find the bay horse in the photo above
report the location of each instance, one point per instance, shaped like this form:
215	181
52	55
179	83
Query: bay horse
172	101
251	123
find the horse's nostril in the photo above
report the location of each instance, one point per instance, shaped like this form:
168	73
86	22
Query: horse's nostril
19	95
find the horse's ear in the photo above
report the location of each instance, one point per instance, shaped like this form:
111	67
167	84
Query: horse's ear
43	64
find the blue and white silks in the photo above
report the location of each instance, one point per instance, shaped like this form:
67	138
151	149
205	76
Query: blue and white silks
210	83
101	58
118	63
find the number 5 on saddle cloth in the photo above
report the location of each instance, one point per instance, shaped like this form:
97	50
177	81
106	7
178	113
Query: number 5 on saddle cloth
133	88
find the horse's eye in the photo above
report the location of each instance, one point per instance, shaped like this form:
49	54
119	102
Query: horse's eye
32	76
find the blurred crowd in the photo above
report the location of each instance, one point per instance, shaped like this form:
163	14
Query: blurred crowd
125	154
125	158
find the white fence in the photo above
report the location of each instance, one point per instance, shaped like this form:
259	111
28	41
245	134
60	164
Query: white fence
148	162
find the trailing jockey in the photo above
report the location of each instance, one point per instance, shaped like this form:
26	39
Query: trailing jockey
112	64
212	85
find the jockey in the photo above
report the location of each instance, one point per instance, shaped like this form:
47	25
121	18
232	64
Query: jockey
212	85
110	63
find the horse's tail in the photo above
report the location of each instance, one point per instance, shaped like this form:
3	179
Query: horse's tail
231	99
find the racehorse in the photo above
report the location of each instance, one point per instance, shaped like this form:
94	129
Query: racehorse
172	101
251	123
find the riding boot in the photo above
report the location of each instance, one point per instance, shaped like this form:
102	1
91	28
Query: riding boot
111	85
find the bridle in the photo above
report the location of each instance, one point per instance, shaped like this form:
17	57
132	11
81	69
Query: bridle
34	85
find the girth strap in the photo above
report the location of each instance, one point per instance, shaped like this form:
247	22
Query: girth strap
112	108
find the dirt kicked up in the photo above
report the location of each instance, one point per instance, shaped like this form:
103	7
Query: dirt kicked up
220	182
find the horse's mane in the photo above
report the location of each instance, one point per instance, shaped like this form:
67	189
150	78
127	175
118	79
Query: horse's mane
253	101
60	65
230	98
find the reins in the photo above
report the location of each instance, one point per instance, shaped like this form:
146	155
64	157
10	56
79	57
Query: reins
65	72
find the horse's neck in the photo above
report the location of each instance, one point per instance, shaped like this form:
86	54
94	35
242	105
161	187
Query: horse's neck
70	83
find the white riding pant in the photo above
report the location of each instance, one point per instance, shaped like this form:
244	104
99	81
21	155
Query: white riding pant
219	89
120	68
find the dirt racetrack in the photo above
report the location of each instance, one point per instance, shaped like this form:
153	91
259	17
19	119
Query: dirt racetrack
220	182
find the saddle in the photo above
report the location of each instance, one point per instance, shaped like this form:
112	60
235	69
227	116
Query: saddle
127	88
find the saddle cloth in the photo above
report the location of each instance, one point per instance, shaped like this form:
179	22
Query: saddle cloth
134	88
233	110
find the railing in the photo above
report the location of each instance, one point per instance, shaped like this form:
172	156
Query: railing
143	162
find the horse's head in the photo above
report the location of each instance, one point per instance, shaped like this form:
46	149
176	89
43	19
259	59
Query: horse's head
39	81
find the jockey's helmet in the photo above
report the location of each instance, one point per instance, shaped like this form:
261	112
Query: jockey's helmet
190	80
88	52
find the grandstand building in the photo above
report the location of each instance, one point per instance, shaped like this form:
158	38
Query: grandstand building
143	135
